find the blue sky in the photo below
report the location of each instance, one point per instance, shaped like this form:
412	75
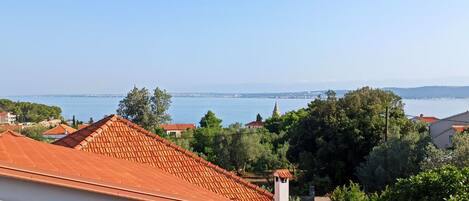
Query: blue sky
75	47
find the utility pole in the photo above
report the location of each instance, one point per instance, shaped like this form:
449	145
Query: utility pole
386	129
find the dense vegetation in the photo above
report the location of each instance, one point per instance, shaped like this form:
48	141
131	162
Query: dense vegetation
236	148
445	183
30	112
335	143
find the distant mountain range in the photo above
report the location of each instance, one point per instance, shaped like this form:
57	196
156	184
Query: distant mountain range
425	92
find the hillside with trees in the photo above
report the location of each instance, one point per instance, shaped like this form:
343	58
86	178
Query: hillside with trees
30	112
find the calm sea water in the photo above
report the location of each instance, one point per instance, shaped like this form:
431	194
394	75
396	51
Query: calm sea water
231	110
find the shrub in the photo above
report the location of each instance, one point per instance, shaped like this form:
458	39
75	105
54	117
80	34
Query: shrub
445	183
350	192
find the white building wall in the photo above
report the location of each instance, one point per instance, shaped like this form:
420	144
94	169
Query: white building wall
442	129
281	189
19	190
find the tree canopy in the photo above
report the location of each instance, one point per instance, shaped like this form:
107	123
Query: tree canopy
337	133
30	112
210	120
148	111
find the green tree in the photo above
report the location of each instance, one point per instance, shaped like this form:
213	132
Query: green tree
210	120
285	122
349	192
35	132
337	133
236	148
136	108
160	103
145	110
397	158
91	120
444	183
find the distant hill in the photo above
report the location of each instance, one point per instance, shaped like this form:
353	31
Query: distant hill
432	92
425	92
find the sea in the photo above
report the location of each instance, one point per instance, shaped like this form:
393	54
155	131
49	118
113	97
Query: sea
230	110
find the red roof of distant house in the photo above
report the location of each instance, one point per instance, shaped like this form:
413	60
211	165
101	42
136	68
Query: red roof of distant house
30	160
460	128
283	173
255	124
426	119
117	137
61	129
178	127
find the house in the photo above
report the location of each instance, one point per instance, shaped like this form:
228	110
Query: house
7	118
443	130
425	119
59	131
117	137
255	124
176	129
32	170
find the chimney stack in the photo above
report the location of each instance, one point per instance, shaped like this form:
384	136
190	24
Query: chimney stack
281	180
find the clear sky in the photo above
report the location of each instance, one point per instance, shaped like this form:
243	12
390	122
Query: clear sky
76	47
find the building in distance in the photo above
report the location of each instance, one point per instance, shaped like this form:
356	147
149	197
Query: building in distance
176	129
7	118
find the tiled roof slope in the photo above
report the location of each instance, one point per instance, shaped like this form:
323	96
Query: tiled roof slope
30	160
59	130
117	137
283	173
167	127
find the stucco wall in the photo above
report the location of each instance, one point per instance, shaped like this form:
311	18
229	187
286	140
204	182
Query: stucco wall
18	190
441	130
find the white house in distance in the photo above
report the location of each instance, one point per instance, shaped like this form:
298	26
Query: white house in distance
443	130
7	118
176	129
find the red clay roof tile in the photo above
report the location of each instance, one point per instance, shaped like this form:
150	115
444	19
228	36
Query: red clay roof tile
60	129
26	159
283	173
179	127
117	137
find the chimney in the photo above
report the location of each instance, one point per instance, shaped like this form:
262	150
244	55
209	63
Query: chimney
281	180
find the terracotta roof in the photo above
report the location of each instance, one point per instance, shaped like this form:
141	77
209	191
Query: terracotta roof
179	127
117	137
460	128
426	119
60	129
27	159
255	123
283	173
